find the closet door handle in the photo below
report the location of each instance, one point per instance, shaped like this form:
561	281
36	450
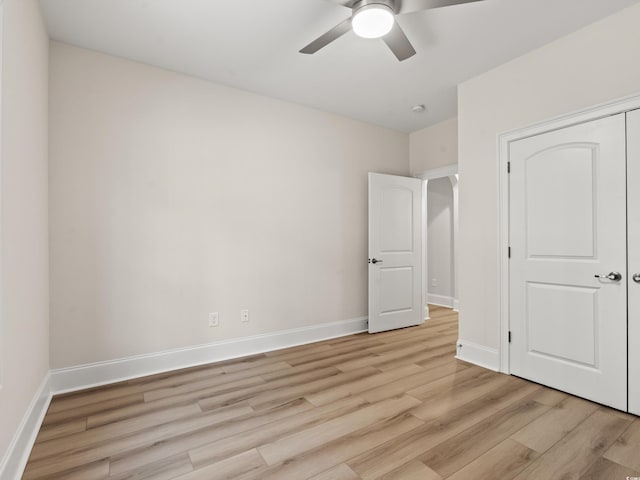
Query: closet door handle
615	276
636	277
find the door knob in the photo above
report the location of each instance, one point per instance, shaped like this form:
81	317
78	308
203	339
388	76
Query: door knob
375	260
615	276
636	277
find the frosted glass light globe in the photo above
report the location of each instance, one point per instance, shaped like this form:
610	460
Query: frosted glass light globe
372	21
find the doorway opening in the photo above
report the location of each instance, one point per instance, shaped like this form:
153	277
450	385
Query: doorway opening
440	237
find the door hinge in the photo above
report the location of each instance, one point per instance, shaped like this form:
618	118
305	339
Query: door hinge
509	252
508	167
509	336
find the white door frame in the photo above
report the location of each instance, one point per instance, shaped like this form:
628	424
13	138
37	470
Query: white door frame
450	172
504	140
2	336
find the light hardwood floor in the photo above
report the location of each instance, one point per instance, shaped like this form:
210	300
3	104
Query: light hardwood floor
394	405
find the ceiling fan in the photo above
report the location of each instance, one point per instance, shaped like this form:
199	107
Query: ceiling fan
375	19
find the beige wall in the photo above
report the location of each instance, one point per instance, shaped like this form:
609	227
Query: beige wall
435	146
172	197
24	318
596	64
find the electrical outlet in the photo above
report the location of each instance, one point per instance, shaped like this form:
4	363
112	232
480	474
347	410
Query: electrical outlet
244	316
214	319
434	282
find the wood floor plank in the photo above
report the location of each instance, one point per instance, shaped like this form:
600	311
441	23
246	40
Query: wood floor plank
247	363
284	354
112	431
166	468
427	358
453	391
333	352
187	373
572	456
83	411
256	437
206	384
423	344
340	472
60	430
336	452
544	432
626	449
62	403
215	399
94	471
310	438
453	454
604	469
337	392
235	436
504	461
273	398
144	408
391	455
227	469
84	455
311	366
414	470
372	360
548	396
412	381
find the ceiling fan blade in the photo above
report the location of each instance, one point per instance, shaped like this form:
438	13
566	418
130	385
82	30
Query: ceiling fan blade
344	3
325	39
398	42
408	6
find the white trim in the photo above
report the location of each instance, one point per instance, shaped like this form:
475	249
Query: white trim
440	172
614	107
456	305
425	240
441	300
2	336
456	235
478	355
16	456
101	373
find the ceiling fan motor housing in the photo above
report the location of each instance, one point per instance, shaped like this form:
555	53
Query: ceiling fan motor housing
364	3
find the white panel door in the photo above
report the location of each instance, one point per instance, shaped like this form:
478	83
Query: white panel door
567	225
633	222
395	252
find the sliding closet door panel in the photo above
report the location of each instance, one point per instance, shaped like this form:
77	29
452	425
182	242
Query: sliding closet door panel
567	225
633	221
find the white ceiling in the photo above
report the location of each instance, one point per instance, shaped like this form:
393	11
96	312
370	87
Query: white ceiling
253	45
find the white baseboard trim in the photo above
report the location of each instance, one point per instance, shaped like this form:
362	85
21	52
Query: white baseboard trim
456	305
478	355
101	373
441	300
16	456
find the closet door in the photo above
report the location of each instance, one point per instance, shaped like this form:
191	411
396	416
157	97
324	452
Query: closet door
568	280
633	222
